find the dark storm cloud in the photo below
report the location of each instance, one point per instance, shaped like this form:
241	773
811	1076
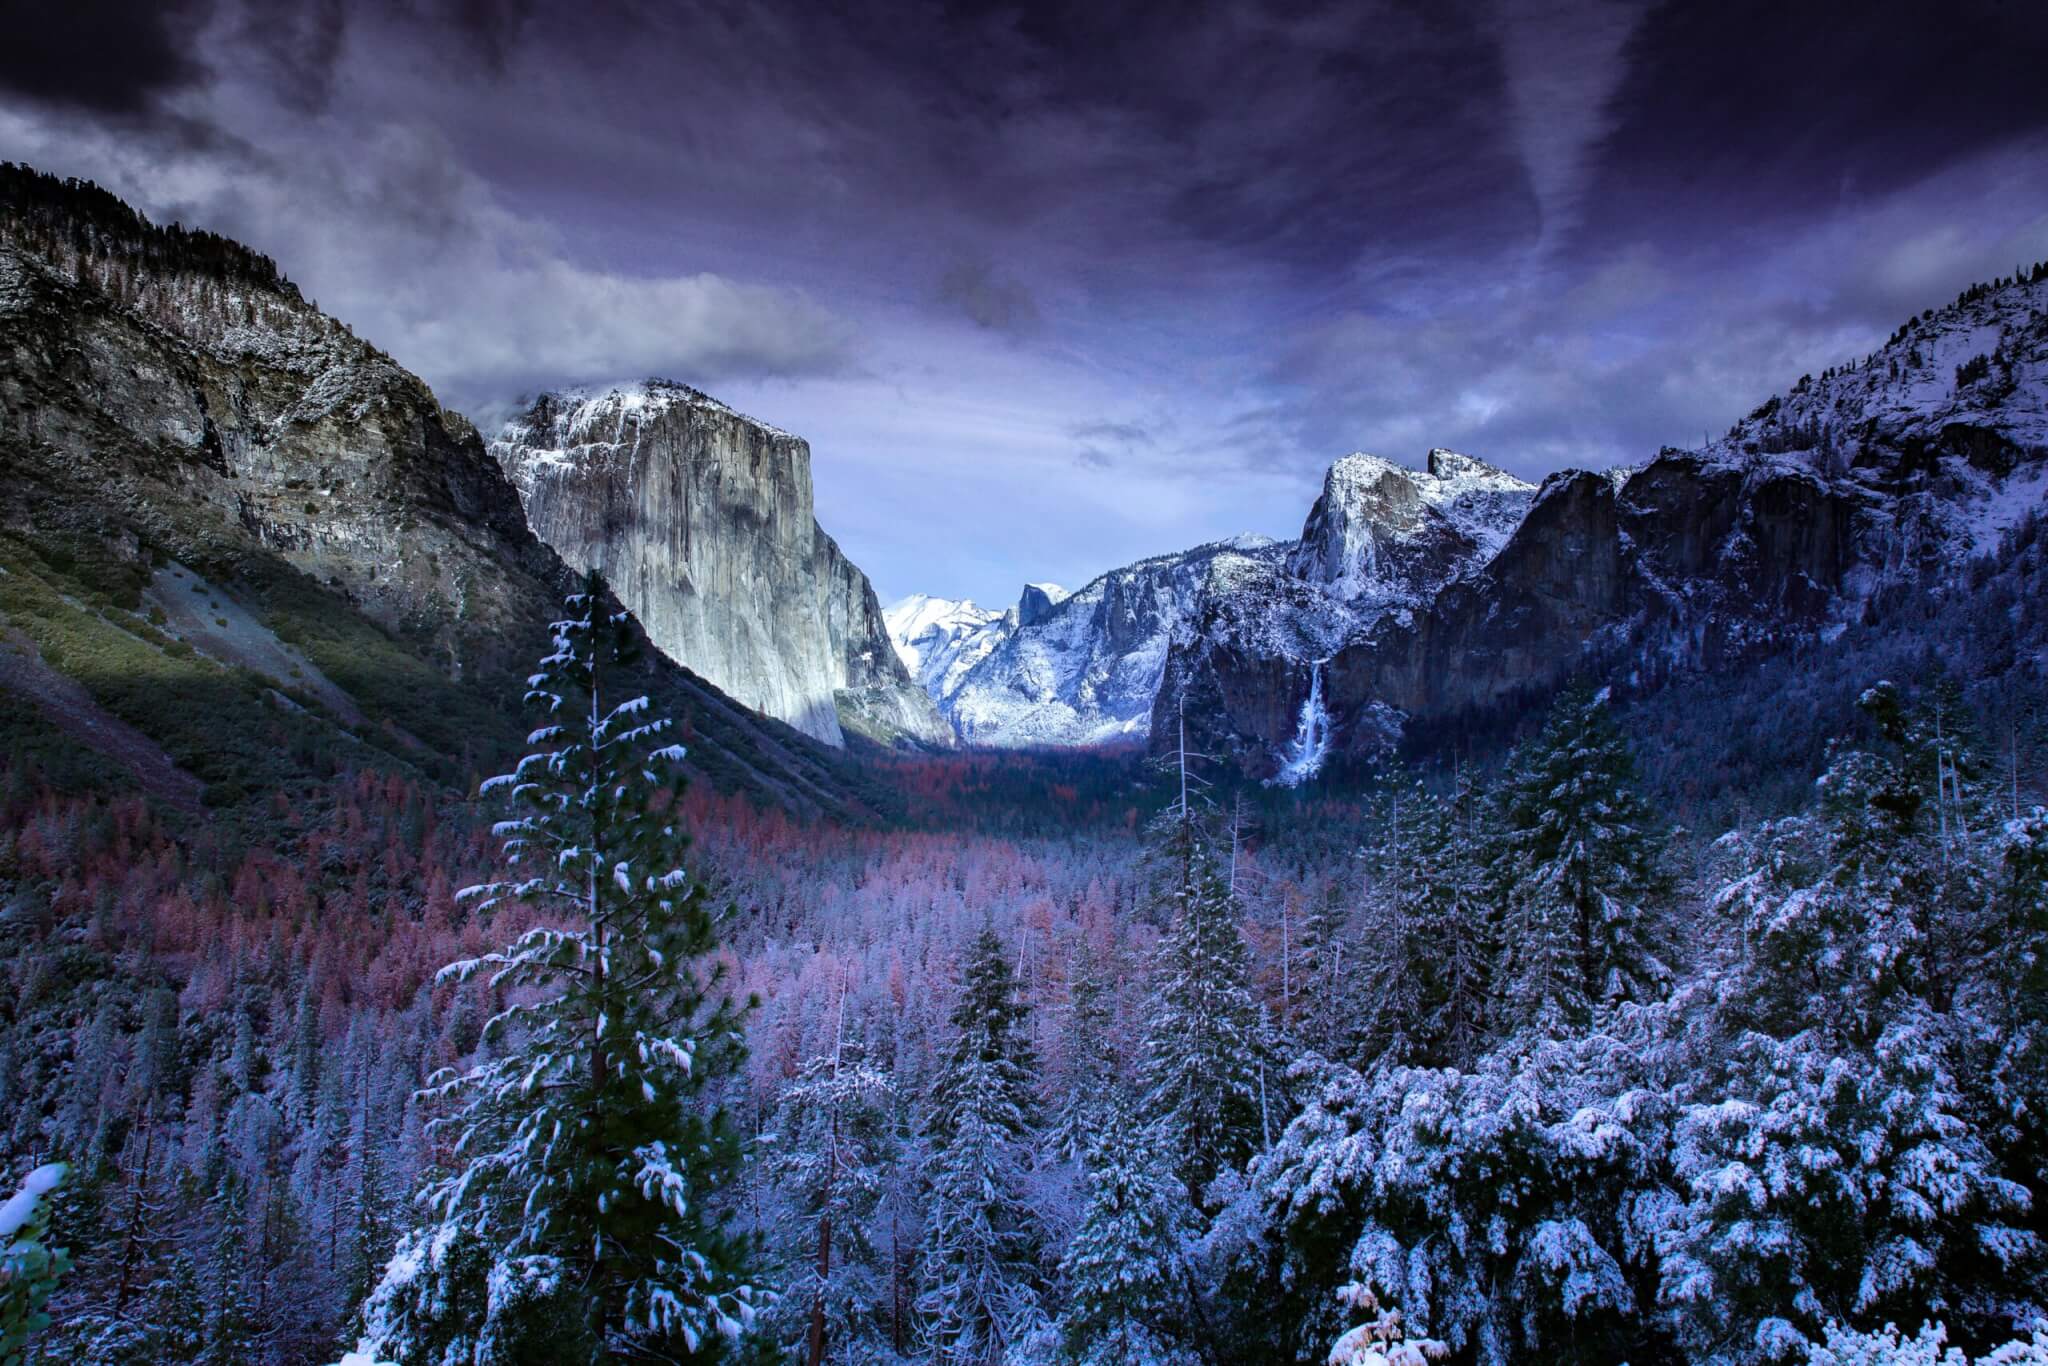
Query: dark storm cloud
110	57
298	46
1740	114
491	27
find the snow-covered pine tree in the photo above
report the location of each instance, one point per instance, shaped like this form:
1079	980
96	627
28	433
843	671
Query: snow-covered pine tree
1829	1169
231	1328
1398	951
580	1219
1126	1271
1428	947
1470	923
980	1257
829	1155
1209	1077
1088	1064
2018	1008
1323	1019
1578	863
177	1321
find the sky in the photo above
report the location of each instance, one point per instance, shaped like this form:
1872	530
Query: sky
1050	287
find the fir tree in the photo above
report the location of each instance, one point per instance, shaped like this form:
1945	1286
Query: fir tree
1322	1021
980	1254
1429	947
1579	866
231	1329
589	1150
1090	1064
1207	1054
1126	1271
177	1319
830	1155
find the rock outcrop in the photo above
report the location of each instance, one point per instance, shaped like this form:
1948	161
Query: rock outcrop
702	521
1095	665
179	426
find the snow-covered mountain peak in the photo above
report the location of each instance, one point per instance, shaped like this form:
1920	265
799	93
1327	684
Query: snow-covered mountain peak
921	617
1382	532
1450	477
939	639
565	423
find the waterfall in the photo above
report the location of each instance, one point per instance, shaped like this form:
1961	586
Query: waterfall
1304	755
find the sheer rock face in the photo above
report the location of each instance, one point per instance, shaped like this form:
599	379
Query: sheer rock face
169	401
1382	533
702	520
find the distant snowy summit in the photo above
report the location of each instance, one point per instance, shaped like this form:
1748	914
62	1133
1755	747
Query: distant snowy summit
1457	588
938	639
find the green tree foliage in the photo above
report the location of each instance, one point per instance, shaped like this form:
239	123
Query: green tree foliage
829	1155
1126	1271
29	1267
1208	1075
980	1257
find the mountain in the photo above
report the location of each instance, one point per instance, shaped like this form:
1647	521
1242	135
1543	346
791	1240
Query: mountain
1381	533
1416	597
240	546
1890	473
701	519
939	639
1059	669
1087	667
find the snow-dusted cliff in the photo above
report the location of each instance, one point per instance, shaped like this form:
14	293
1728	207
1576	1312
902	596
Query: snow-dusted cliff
1456	586
702	520
1086	668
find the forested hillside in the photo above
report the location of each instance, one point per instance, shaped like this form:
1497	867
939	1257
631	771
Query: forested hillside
1161	1073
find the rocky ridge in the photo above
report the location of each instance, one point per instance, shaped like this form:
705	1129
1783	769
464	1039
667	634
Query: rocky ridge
1896	469
1087	668
247	531
1458	590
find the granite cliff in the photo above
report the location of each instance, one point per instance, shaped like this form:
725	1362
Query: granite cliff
249	542
702	520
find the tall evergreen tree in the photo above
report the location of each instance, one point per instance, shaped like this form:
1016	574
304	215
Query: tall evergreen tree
1088	1062
829	1157
1207	1073
580	1220
1323	1018
231	1327
1428	950
982	1238
1578	865
1126	1271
